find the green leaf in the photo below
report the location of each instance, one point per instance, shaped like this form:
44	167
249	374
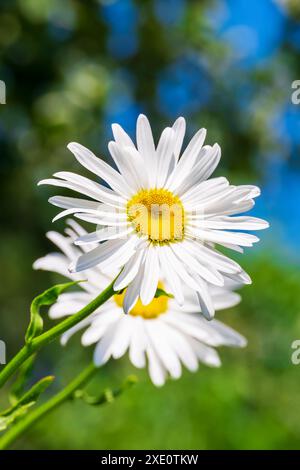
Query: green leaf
49	297
23	375
6	421
160	292
20	407
108	395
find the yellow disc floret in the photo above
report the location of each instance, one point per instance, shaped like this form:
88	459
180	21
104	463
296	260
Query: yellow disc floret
157	214
156	307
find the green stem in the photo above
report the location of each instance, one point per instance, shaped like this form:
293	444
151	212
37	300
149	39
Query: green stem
67	393
50	335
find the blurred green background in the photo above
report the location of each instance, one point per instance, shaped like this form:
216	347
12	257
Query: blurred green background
71	69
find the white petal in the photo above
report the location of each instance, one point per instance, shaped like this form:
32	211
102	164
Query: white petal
206	272
171	277
179	129
71	202
229	336
125	164
107	233
132	292
151	276
145	145
121	137
138	343
111	251
204	191
182	348
102	351
85	186
129	271
87	159
211	257
68	334
164	155
219	236
208	161
225	299
206	354
179	268
234	223
66	306
55	262
157	371
187	160
101	322
122	337
205	301
160	343
64	244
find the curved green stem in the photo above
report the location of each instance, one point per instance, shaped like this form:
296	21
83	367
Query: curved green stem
16	431
50	335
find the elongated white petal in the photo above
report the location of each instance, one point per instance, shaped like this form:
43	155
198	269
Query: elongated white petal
235	223
205	301
121	137
145	145
180	344
68	334
138	167
211	257
171	276
109	251
122	336
129	271
125	164
208	161
103	349
179	130
71	202
180	269
55	262
107	233
164	152
138	343
207	355
166	354
157	371
187	160
87	159
151	276
132	293
210	274
219	236
85	186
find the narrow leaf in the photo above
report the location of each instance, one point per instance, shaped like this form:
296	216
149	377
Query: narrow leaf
6	421
20	408
23	375
31	396
49	297
108	395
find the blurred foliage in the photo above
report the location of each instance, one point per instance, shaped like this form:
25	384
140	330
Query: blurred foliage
71	69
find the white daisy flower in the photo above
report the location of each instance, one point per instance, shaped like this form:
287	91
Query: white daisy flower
162	334
161	215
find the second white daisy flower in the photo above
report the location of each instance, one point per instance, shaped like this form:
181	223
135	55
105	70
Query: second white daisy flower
161	335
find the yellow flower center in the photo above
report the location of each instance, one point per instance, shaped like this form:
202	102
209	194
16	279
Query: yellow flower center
157	214
158	305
